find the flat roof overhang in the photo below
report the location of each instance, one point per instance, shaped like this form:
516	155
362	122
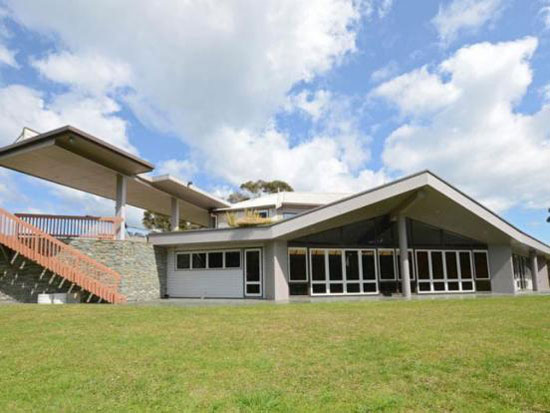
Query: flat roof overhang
186	192
77	160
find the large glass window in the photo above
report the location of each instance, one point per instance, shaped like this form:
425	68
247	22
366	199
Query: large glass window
215	260
342	271
444	271
253	272
411	264
298	276
481	265
386	263
232	259
199	260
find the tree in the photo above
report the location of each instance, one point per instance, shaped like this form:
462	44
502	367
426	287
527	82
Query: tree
252	189
161	222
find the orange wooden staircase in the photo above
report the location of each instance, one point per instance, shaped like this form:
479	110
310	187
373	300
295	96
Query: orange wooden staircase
59	258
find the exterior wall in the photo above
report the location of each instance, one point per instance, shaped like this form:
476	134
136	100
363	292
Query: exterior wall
542	276
23	280
502	273
212	283
141	265
276	271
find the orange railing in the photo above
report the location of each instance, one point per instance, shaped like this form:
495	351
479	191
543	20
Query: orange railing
62	259
71	226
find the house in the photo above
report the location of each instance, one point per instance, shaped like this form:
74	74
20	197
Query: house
310	244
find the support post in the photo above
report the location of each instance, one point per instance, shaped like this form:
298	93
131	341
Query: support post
404	256
175	215
120	207
534	270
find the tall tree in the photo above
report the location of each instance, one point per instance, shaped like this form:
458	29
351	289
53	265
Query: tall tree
252	189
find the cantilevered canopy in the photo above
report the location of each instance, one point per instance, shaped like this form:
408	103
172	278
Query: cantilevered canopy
72	158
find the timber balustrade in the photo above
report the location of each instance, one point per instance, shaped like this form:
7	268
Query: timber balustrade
59	258
72	226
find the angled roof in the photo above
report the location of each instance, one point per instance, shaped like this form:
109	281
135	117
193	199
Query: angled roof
443	206
287	198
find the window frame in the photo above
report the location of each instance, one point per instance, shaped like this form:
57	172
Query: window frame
305	250
445	280
394	256
262	211
207	261
474	271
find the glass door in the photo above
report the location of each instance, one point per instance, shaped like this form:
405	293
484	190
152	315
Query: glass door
253	272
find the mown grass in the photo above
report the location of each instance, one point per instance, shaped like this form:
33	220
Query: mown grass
443	355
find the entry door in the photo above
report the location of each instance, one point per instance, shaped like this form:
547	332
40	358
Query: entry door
253	272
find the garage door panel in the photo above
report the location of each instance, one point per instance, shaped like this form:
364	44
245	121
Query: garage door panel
208	284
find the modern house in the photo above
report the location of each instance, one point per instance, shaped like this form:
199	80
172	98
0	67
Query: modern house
308	245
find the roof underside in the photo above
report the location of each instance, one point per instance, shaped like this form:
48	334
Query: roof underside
77	160
441	206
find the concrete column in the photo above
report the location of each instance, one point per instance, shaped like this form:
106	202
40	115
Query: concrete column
543	279
502	270
404	256
120	206
175	215
534	270
276	271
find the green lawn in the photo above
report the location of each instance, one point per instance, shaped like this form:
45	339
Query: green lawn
488	354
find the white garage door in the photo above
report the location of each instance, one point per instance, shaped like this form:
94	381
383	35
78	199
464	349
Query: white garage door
209	274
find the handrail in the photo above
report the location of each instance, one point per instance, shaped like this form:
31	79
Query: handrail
73	226
60	258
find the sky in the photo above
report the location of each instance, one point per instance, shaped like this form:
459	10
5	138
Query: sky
328	95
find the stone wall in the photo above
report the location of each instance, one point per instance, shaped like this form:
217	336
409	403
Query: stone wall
21	280
141	265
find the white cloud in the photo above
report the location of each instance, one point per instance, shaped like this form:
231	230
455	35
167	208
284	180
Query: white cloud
7	56
477	139
314	104
544	12
465	16
384	72
384	8
90	73
23	106
189	74
418	92
545	92
182	169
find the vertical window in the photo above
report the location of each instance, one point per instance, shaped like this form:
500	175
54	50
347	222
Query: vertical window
253	272
481	265
411	264
352	265
423	265
386	264
318	265
297	259
452	265
263	213
465	265
369	264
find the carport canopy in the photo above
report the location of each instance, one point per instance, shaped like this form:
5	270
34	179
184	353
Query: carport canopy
70	157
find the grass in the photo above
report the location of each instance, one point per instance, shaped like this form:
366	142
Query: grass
443	355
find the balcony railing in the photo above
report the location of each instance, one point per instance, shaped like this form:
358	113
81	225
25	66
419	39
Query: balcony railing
71	226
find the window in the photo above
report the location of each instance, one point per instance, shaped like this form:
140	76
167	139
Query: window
287	215
183	261
199	260
386	264
481	265
343	271
213	221
253	272
215	260
263	213
202	260
297	261
232	259
444	271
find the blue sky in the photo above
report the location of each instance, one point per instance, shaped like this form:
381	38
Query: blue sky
329	95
